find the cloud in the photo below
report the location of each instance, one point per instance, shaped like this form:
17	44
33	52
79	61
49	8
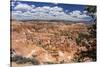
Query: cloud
56	8
16	14
79	14
85	12
23	7
75	13
29	12
40	9
33	6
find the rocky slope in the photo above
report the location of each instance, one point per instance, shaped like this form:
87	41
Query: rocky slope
50	43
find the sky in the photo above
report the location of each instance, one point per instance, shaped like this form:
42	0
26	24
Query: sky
27	10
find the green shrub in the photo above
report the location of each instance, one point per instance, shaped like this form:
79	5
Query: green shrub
49	62
23	60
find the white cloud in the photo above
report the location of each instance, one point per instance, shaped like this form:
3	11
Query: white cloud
46	7
47	13
56	8
23	7
28	13
79	15
16	12
22	16
75	13
66	11
83	16
33	6
85	12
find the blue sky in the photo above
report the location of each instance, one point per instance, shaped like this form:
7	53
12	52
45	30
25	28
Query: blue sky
26	10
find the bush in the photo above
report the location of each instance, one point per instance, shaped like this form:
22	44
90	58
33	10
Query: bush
49	62
78	41
23	60
92	30
84	54
81	37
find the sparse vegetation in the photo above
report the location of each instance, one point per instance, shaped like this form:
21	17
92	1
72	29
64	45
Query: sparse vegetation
23	60
85	40
51	39
49	63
